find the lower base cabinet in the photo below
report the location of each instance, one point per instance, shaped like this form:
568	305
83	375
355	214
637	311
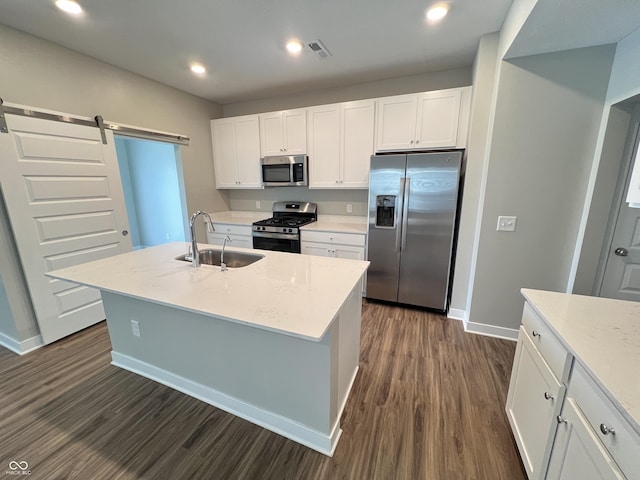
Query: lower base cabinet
565	426
239	235
534	400
577	452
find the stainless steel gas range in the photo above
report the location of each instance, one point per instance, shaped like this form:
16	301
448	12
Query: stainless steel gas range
282	231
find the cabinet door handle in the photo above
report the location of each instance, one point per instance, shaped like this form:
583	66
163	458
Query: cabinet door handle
607	430
548	396
560	420
417	142
535	333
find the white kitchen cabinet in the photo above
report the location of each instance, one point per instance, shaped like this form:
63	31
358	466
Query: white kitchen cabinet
592	437
421	121
534	400
240	235
341	142
283	133
577	452
331	250
236	151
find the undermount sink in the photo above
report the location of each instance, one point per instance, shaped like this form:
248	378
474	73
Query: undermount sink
231	259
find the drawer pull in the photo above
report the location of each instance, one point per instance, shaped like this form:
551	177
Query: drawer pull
534	333
548	396
606	430
560	420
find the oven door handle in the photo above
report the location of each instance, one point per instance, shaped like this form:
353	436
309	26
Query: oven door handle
283	236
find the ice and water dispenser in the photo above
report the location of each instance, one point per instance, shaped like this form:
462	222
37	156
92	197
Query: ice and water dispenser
386	211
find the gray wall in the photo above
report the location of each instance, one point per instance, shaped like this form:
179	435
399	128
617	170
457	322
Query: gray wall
547	118
15	286
7	323
484	70
602	202
334	201
460	77
41	74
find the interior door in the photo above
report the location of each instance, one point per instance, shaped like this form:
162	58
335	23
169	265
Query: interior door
622	271
63	193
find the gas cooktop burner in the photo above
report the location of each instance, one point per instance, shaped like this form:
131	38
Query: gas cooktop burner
284	222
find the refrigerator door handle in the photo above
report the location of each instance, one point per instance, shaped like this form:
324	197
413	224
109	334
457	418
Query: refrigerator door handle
405	210
397	221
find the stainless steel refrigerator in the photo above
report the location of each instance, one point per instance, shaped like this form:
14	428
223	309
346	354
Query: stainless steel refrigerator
412	217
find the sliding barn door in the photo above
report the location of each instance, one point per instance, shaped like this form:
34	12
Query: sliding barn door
64	196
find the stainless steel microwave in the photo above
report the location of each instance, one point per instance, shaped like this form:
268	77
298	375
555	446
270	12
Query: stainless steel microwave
285	171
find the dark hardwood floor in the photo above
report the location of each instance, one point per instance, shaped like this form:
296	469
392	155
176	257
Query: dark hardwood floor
428	403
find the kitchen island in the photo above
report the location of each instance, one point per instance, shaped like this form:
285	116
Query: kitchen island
275	342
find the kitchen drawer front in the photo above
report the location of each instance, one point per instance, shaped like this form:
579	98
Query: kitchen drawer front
333	238
241	241
232	229
624	444
552	351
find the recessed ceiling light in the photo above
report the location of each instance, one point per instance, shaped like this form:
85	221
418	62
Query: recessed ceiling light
198	69
69	6
437	12
294	47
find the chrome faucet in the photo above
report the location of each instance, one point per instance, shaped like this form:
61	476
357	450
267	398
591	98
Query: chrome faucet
195	261
223	266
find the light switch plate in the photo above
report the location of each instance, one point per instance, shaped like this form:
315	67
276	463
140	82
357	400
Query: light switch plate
506	224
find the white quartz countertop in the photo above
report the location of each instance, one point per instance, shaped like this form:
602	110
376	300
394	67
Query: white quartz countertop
604	336
297	295
338	223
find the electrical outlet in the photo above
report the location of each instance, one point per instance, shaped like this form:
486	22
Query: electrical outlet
506	224
135	328
167	236
349	208
258	204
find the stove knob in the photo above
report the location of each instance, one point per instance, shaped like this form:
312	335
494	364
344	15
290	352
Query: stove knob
290	230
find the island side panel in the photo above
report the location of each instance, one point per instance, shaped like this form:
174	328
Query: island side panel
348	346
285	375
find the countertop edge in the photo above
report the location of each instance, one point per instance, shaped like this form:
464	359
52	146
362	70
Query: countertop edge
619	407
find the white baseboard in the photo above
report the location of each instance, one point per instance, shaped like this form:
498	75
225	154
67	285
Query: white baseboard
297	432
481	328
457	314
23	347
491	331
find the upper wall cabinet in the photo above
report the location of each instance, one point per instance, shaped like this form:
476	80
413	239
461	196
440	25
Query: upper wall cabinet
421	121
341	140
236	151
283	133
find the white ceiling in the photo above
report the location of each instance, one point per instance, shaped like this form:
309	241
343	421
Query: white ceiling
241	42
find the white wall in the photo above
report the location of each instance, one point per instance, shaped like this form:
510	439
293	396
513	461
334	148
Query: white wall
547	118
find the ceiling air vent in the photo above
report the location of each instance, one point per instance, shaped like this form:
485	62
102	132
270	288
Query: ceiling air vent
319	49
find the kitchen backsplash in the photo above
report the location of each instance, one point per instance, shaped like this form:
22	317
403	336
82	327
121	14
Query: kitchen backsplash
330	202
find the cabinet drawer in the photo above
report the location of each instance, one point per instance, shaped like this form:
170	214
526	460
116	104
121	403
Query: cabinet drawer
624	444
552	351
232	229
333	238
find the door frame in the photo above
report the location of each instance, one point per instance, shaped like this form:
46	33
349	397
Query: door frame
632	144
